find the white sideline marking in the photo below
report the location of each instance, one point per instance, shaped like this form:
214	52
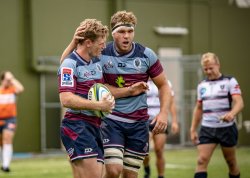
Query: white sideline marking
175	166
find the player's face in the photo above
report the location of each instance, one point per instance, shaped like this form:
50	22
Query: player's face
123	39
211	70
97	47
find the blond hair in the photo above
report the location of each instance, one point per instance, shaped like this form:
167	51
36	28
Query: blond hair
123	17
93	29
209	57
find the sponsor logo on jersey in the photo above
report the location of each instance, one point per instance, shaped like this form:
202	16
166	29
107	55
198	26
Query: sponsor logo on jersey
122	64
202	91
67	77
120	81
108	65
87	74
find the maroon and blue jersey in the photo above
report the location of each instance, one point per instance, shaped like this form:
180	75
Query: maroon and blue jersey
77	76
123	71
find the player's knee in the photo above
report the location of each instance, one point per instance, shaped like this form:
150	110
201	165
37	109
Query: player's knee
113	170
159	152
113	156
202	161
132	162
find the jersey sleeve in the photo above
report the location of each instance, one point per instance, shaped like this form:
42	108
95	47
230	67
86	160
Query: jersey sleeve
155	67
67	76
199	91
234	87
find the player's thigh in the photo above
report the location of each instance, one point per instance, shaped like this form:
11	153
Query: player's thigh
159	141
205	151
229	153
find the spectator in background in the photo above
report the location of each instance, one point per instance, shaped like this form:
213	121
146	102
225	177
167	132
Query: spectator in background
219	101
9	88
159	140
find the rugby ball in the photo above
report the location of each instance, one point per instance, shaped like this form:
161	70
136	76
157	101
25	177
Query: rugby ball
96	92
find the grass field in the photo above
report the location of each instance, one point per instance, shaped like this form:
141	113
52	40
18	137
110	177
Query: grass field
180	164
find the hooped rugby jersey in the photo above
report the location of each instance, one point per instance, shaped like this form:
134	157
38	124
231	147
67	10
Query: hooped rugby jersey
216	98
77	76
123	71
153	100
8	103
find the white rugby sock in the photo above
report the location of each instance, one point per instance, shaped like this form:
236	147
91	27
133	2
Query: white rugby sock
7	154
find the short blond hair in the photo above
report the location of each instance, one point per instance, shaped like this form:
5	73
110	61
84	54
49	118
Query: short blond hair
123	17
209	57
93	29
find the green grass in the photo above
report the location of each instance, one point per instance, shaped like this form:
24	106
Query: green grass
180	163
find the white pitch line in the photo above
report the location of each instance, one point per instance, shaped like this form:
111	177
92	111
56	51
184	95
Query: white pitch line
175	166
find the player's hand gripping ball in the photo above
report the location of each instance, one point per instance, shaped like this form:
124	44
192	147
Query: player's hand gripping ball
96	93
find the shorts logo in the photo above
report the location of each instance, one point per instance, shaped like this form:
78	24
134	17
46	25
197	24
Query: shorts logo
106	140
70	152
67	77
88	150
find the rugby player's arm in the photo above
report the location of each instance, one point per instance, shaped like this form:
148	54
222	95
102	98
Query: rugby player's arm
164	92
70	100
73	44
173	112
197	115
133	90
237	106
161	119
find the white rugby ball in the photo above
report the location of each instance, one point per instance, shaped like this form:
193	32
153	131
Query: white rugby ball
96	93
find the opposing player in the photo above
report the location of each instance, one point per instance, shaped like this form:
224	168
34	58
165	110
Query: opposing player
124	63
219	101
159	140
10	87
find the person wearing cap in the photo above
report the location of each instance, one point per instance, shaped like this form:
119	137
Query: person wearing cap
219	101
125	130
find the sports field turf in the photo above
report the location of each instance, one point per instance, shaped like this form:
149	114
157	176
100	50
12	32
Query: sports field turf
180	164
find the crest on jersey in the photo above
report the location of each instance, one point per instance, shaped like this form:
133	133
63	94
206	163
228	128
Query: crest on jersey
137	63
222	87
67	77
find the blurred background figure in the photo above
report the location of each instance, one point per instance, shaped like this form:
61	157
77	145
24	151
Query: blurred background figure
9	88
159	140
219	100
